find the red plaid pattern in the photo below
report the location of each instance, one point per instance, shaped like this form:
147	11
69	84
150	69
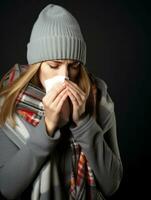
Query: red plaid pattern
28	116
28	102
81	177
29	106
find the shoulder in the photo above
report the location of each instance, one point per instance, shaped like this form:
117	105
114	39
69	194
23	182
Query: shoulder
105	105
105	97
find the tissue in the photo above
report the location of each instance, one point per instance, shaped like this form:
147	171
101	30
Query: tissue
65	110
50	83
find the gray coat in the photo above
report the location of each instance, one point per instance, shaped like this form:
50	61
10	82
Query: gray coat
19	166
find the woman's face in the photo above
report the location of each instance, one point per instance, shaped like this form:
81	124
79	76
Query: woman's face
52	68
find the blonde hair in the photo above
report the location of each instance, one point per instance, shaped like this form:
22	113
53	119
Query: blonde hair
10	93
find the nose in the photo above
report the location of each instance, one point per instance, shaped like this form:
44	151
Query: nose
64	70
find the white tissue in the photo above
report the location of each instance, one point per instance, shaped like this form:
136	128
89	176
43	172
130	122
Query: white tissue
65	110
50	83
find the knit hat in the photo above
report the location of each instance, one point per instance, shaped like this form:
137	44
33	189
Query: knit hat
56	34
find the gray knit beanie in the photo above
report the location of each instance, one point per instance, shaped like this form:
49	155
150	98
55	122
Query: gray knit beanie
56	34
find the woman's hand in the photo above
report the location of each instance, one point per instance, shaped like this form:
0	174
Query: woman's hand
78	99
53	102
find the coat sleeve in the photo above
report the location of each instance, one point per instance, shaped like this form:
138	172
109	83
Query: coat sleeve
98	140
18	167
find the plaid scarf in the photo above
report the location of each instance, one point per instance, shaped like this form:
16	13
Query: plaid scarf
82	178
29	106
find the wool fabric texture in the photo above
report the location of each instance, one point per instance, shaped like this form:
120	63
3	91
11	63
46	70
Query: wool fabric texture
56	34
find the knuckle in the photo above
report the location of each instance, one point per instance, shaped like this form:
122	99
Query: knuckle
44	101
83	98
76	94
46	106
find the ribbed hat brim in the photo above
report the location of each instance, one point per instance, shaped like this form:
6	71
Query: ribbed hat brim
54	47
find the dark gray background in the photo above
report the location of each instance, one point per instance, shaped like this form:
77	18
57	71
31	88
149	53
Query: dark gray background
117	34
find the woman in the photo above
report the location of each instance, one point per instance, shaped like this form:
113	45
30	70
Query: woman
59	143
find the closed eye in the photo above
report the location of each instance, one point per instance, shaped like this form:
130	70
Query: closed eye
56	65
53	67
